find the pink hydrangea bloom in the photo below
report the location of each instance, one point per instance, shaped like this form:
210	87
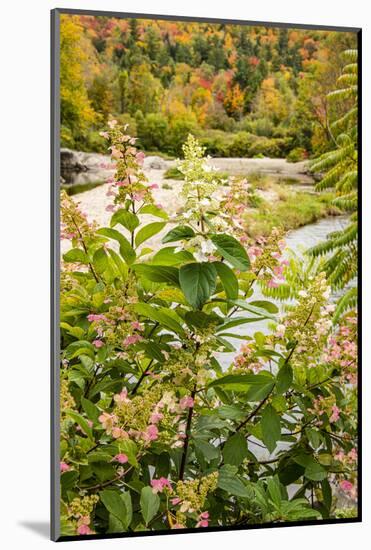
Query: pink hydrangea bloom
84	530
158	485
132	339
98	343
156	417
151	434
335	414
64	467
96	317
136	325
346	485
186	402
153	186
121	458
174	501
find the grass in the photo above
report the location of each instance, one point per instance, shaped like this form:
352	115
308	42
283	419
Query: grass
173	173
80	187
290	211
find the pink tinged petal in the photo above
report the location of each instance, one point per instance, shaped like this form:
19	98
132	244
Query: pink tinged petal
346	485
203	523
205	515
121	458
186	402
64	467
84	530
153	186
98	343
152	432
175	501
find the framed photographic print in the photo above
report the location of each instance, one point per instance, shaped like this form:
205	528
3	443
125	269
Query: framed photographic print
205	317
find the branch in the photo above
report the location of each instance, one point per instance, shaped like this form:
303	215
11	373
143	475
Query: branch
186	441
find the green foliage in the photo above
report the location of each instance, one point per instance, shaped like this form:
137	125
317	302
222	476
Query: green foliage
155	433
340	168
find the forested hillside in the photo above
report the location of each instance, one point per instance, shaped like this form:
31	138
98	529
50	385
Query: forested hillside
243	91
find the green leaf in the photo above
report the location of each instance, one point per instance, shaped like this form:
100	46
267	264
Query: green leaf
126	250
91	410
149	504
262	313
127	219
148	231
228	280
81	421
76	255
326	493
168	256
232	251
229	482
235	449
271	427
265	304
208	451
242	382
100	260
198	282
158	273
315	472
181	232
154	211
274	489
166	317
117	506
284	378
200	319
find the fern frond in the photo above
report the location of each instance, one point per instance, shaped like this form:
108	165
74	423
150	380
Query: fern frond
346	302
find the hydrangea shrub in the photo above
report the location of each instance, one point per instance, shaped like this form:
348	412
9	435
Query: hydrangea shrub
155	433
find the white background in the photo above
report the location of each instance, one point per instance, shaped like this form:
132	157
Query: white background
25	264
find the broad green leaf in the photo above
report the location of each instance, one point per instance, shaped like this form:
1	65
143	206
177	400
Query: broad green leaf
208	451
100	260
262	313
232	251
154	211
127	219
166	317
315	472
181	232
235	449
271	427
149	504
158	273
228	279
200	319
168	256
242	382
81	347
91	410
265	304
198	282
284	378
81	421
231	483
274	490
116	506
76	255
126	250
148	231
326	493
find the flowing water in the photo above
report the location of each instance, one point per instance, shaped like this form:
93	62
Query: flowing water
297	241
